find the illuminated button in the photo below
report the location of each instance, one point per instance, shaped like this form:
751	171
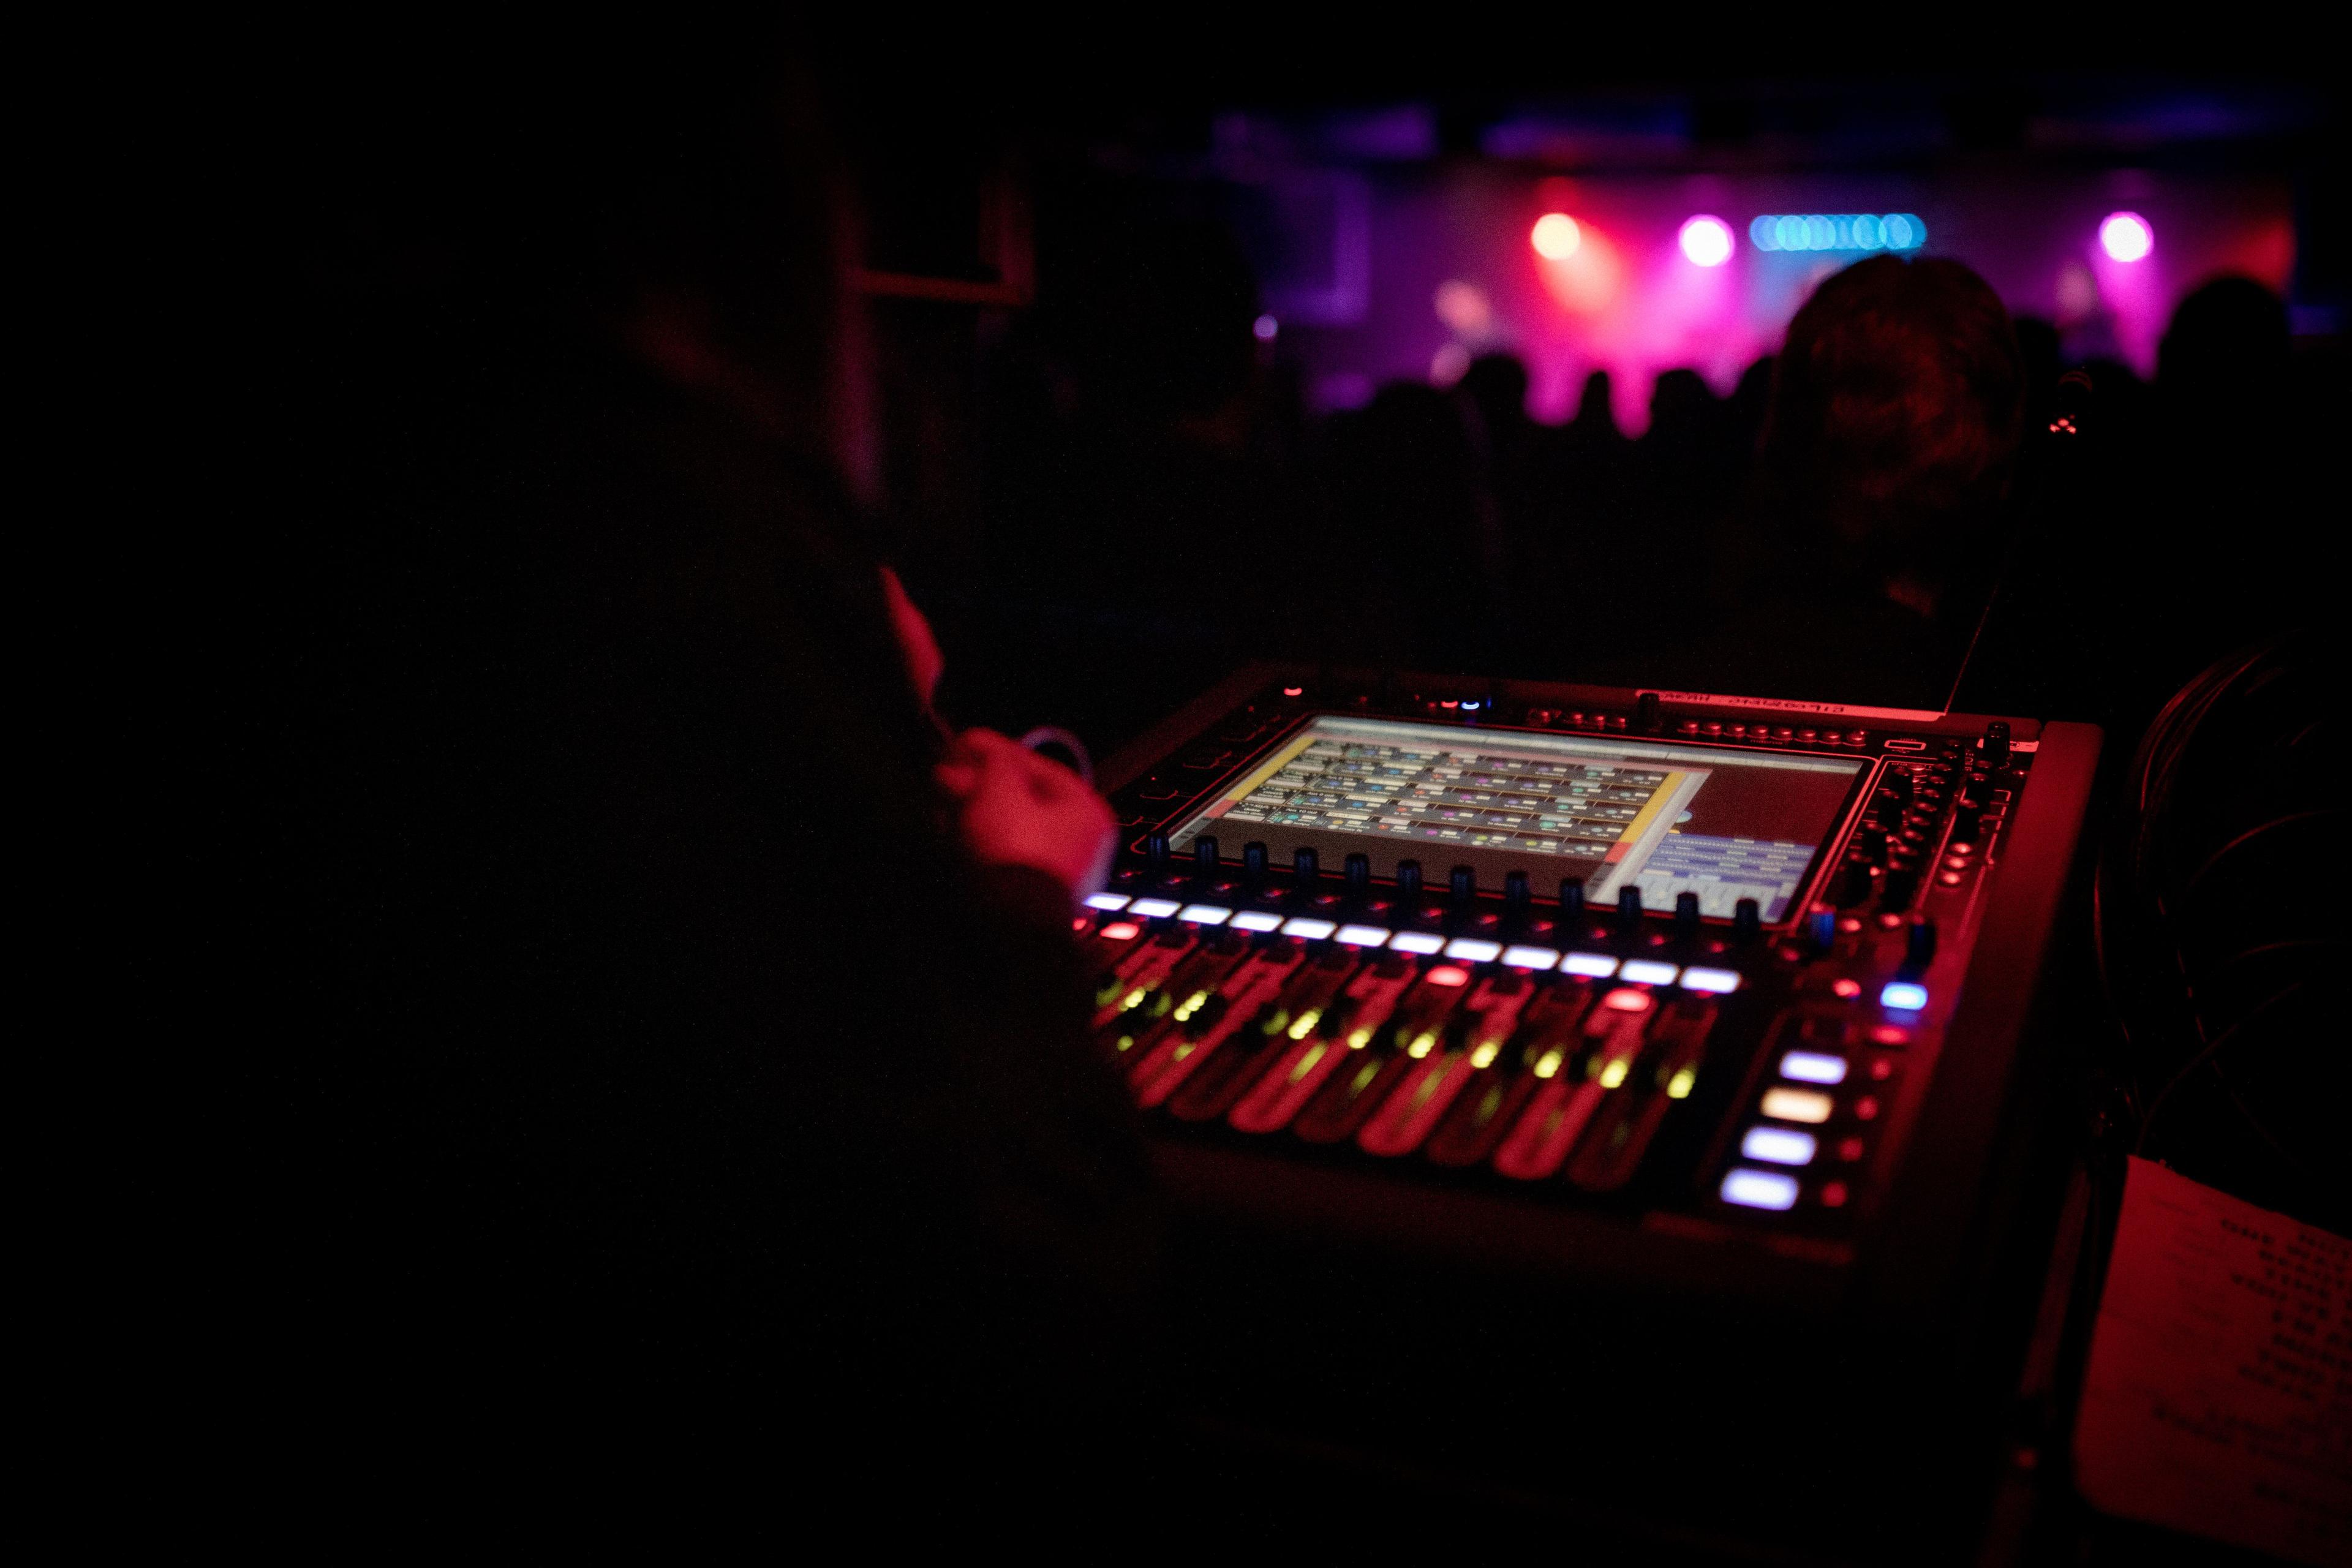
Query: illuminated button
1122	931
1833	1195
1205	914
1721	980
1530	957
1949	879
1850	1149
1881	1070
1891	1034
1813	1066
1759	1189
1449	974
1904	996
1415	942
1476	950
1627	1001
1108	900
1778	1146
1648	972
1598	965
1866	1107
1153	908
1256	919
1308	927
1847	988
1364	936
1796	1105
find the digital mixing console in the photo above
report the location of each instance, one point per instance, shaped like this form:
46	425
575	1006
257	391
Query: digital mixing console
1665	986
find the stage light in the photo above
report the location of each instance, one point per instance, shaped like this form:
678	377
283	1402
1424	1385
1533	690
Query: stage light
1835	231
1265	328
1555	237
1707	241
2125	236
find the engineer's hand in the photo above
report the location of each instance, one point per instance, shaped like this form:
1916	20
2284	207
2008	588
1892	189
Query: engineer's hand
1017	808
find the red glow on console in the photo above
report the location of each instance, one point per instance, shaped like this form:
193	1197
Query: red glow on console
1448	974
1626	1000
1122	931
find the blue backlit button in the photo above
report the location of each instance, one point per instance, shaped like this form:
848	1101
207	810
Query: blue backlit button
1903	995
1721	980
1598	965
1530	957
1648	972
1415	942
1364	936
1474	950
1106	901
1153	908
1205	914
1759	1189
1778	1146
1813	1066
1310	928
1796	1105
1256	919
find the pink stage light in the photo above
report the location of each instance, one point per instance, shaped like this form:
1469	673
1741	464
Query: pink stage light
2125	236
1707	241
1555	237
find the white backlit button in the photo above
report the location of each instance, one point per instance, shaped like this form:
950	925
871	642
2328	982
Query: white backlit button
1598	965
1903	995
1153	908
1778	1146
1530	957
1813	1066
1363	936
1472	949
1415	942
1723	982
1796	1105
1310	928
1256	919
1205	914
1759	1189
1108	900
1648	972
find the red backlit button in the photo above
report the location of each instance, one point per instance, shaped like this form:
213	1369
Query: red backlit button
1625	999
1833	1195
1866	1109
1850	1149
1881	1070
1122	931
1448	974
1890	1035
1845	990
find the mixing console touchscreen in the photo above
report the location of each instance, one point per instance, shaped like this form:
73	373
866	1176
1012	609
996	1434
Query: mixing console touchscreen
1613	814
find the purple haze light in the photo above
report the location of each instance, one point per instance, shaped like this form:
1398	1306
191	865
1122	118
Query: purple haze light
1707	241
2125	236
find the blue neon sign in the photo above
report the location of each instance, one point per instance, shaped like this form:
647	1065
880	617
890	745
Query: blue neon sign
1840	231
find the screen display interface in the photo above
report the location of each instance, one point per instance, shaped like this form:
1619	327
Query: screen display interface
1615	814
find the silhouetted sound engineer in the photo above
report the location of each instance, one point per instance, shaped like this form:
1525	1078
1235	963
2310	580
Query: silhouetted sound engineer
716	1065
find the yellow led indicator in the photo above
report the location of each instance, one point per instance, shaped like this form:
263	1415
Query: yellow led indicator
1186	1049
1191	1006
1274	1025
1125	1041
1134	999
1679	1086
1360	1039
1307	1059
1364	1075
1485	1053
1548	1064
1421	1044
1306	1022
1614	1073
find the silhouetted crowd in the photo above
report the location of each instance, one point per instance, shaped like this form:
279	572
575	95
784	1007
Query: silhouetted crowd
1835	529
